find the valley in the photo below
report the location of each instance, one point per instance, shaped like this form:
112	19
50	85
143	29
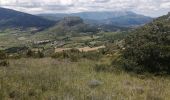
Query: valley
118	55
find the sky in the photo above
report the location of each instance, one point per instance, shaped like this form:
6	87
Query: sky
153	8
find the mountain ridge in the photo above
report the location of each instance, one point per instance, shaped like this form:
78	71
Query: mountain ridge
117	18
15	19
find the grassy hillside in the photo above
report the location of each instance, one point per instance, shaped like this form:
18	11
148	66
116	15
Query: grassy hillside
43	79
69	26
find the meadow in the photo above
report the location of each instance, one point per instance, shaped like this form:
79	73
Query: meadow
56	79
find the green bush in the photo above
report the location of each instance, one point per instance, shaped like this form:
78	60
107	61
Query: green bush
40	54
3	55
4	63
148	50
33	54
30	53
3	59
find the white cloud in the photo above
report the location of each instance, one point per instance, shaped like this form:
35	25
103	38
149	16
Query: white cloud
147	7
165	5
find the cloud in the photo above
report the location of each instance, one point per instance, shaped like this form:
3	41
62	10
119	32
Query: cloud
146	7
165	5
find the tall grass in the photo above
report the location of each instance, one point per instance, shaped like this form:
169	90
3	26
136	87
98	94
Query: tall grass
52	79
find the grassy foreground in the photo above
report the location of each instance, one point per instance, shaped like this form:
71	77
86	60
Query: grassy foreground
51	79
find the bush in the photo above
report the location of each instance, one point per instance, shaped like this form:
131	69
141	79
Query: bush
30	53
40	54
33	54
4	63
3	55
148	50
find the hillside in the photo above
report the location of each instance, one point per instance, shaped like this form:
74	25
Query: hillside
129	20
119	18
148	47
15	19
70	25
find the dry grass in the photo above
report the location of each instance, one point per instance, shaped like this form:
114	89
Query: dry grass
61	49
84	49
50	79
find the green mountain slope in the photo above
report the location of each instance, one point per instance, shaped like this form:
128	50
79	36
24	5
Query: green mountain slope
14	19
148	48
70	25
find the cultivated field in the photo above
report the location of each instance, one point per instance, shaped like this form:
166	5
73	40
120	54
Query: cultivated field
84	49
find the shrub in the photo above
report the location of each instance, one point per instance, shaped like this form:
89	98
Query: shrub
38	54
148	50
3	55
30	53
4	63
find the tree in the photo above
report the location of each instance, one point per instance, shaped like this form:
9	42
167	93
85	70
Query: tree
148	48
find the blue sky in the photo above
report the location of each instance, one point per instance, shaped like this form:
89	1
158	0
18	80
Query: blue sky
152	8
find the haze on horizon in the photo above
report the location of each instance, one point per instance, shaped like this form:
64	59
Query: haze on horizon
153	8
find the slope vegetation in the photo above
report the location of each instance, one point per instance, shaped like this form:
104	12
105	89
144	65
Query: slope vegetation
14	19
148	48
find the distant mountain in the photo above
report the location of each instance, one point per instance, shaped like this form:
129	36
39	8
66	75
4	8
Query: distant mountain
117	18
69	25
15	19
131	19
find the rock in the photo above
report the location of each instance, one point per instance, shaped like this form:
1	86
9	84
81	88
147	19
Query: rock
94	83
